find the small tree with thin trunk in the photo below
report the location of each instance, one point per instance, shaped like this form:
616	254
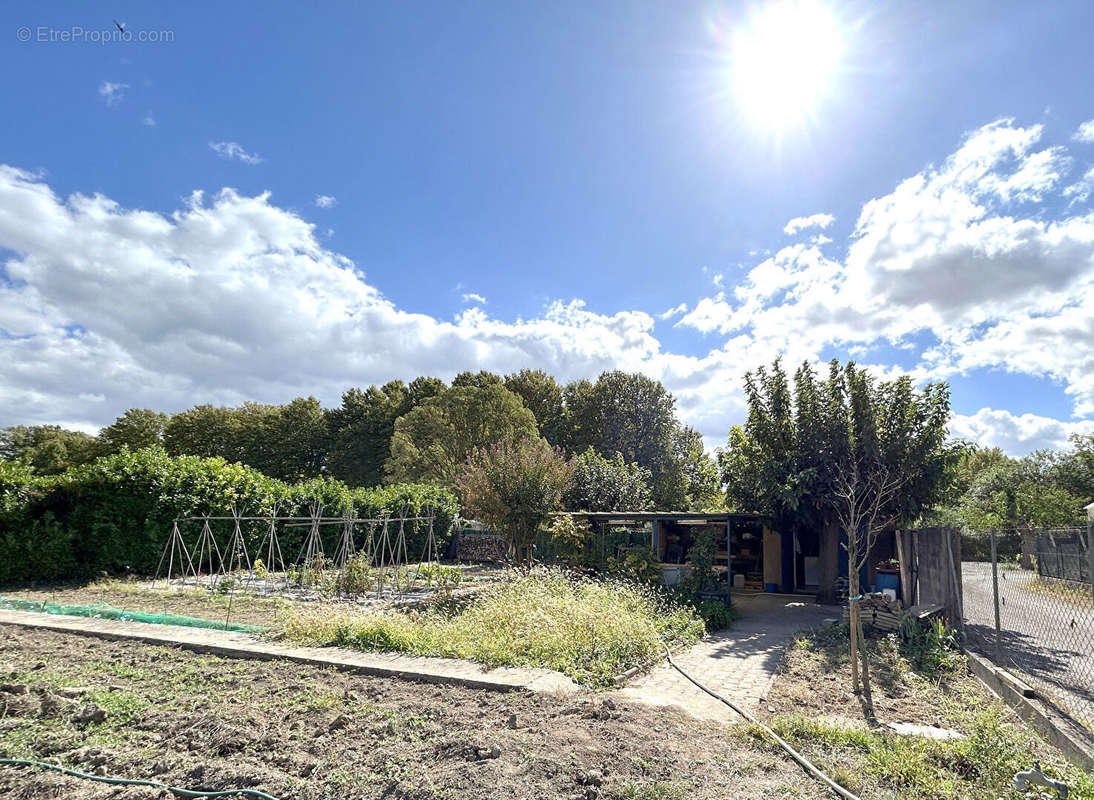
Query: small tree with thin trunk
514	486
862	498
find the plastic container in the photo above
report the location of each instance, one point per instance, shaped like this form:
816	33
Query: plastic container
771	587
888	580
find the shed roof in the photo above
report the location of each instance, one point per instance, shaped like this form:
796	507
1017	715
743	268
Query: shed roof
649	516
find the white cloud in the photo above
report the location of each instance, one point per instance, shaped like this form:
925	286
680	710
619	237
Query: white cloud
112	93
813	221
1080	191
326	201
1085	132
233	298
149	121
673	312
234	150
1016	434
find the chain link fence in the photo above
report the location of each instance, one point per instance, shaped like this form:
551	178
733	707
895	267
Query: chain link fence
1036	622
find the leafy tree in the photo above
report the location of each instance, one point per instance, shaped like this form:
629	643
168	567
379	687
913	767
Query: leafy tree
514	486
433	441
361	431
47	449
850	450
137	428
1073	470
691	481
207	431
634	415
286	442
607	484
541	395
478	380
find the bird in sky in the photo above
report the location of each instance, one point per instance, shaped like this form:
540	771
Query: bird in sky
120	26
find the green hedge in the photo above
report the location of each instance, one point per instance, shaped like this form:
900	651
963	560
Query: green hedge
114	514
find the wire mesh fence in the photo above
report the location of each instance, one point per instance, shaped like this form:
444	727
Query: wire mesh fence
1037	619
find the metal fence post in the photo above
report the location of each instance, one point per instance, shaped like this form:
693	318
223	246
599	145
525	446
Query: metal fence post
1090	549
995	596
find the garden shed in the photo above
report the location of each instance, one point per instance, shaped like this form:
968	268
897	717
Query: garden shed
749	557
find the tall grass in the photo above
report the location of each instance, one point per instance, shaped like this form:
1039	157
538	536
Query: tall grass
591	630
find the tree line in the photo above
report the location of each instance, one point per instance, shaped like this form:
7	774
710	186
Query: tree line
423	431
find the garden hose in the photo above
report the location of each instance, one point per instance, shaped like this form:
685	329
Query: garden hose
805	763
19	762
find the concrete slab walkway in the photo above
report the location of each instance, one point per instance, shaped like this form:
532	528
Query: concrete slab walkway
244	645
739	663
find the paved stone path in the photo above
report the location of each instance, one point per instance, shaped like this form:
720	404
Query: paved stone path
739	663
245	645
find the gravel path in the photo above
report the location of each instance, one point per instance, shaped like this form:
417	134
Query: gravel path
1047	636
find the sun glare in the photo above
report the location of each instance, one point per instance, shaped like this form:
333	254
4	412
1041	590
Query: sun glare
783	61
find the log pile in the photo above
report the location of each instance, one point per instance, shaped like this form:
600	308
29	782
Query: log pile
481	547
878	611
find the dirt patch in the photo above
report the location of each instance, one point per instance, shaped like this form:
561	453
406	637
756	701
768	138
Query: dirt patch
302	732
815	680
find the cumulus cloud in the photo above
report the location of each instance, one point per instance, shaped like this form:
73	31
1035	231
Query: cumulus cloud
112	93
1016	434
674	312
149	121
978	259
1085	132
230	298
326	201
814	221
234	150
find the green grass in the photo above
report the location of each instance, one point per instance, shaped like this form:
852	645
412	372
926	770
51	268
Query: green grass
591	630
979	766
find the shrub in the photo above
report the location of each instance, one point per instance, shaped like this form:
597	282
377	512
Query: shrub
514	486
716	615
638	564
591	630
114	514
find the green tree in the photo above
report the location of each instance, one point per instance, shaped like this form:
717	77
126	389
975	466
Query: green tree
361	431
541	395
514	486
607	484
634	415
136	429
478	380
207	431
433	441
691	481
47	449
851	451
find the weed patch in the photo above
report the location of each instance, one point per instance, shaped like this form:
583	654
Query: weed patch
588	629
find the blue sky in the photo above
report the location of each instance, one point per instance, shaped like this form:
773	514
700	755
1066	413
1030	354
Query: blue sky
516	185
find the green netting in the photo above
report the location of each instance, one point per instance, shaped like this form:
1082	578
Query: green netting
103	611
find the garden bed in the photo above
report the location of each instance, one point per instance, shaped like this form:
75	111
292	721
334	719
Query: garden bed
926	684
303	733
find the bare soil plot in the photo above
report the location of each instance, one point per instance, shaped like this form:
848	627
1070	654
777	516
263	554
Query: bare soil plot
811	703
298	732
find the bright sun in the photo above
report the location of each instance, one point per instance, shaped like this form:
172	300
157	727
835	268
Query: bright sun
783	61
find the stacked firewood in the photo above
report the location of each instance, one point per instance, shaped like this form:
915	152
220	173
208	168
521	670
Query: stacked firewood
481	547
877	610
